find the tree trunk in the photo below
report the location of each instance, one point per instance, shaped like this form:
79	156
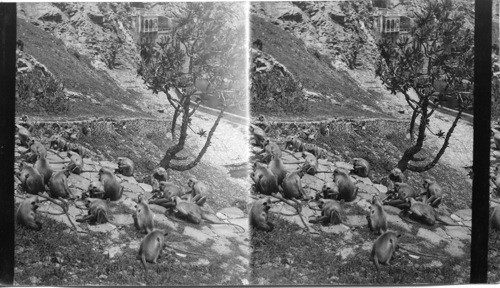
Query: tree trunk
417	147
172	151
203	150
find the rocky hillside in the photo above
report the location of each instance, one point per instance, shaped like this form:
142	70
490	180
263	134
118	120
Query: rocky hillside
331	48
89	48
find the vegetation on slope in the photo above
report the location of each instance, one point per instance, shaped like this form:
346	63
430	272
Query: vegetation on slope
100	93
316	75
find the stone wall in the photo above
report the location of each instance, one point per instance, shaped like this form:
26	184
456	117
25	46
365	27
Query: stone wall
378	125
73	129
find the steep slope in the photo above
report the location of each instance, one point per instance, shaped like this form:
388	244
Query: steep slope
92	92
315	74
90	49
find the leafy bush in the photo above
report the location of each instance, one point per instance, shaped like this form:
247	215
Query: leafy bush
36	92
273	92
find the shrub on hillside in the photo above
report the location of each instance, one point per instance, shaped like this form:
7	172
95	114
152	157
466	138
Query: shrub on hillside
36	92
273	92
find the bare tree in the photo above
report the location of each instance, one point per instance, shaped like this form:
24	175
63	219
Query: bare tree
440	40
206	45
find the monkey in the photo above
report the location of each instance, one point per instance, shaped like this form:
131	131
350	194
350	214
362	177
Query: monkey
86	129
170	190
276	166
20	44
24	135
361	167
151	247
98	211
323	129
57	142
186	210
125	166
160	174
32	181
96	190
78	148
495	218
399	198
58	185
347	190
496	138
292	186
26	213
313	149
296	144
112	188
259	135
257	44
310	166
384	248
377	219
143	216
164	195
331	212
192	213
199	191
36	149
330	190
43	167
270	148
433	194
397	175
264	179
259	214
75	165
266	183
422	212
26	122
263	123
497	177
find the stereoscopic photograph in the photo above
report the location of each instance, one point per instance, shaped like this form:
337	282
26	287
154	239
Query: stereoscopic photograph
130	157
249	143
362	141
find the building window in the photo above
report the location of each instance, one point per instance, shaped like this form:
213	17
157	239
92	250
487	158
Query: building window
388	26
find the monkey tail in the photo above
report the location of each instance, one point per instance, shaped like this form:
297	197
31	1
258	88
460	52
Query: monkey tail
285	214
240	228
406	219
143	260
312	208
184	251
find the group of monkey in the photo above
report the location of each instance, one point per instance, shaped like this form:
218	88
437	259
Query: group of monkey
39	177
272	179
269	176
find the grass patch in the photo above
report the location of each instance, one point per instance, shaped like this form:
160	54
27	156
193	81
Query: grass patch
383	153
284	257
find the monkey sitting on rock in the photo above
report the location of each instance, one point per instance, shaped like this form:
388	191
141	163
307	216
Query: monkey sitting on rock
399	198
433	194
259	215
26	213
331	212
